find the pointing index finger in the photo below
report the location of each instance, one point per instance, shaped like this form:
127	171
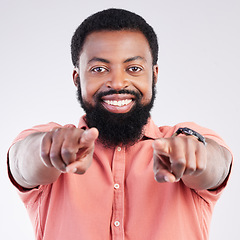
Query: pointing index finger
162	146
85	152
88	137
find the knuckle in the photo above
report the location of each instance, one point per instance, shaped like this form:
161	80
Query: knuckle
59	165
67	151
47	134
178	168
68	155
201	168
191	165
44	154
189	170
45	139
180	162
56	131
54	156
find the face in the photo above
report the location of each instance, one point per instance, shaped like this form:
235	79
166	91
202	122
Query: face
116	60
116	85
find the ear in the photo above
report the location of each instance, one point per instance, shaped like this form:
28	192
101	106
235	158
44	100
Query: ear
75	76
155	73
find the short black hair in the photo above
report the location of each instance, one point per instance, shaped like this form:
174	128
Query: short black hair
112	20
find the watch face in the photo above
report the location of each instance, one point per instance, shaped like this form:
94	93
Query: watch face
188	131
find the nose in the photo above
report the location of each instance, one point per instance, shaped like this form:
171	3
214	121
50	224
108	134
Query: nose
117	80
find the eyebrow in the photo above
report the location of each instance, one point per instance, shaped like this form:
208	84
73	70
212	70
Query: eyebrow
97	59
134	58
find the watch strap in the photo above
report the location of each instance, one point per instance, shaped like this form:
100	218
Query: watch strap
189	132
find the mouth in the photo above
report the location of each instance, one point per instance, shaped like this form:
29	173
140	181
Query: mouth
118	103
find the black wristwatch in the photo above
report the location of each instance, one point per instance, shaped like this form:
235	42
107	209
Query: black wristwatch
189	132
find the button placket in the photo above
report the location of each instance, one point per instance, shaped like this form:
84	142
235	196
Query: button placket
118	170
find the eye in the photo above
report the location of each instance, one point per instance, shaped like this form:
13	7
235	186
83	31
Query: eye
135	69
99	69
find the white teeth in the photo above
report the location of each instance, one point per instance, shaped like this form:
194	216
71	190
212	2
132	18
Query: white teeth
118	103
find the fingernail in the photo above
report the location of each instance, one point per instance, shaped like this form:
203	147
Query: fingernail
71	170
166	179
74	170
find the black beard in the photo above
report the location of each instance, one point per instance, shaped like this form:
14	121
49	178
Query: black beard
117	128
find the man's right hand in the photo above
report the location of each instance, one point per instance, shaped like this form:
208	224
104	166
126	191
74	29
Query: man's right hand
68	149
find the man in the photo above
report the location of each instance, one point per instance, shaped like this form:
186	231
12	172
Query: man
117	175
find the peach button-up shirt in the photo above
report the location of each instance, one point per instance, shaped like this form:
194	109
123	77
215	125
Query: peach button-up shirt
118	198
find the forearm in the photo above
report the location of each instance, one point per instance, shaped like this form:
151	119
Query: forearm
26	164
217	168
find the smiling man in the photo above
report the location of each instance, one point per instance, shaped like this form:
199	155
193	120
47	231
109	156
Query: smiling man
117	175
115	77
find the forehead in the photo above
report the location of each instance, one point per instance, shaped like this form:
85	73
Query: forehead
116	44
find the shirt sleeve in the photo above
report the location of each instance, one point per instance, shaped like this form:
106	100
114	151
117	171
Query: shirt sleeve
23	135
39	128
210	196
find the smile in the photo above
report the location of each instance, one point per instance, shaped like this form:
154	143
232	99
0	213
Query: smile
118	103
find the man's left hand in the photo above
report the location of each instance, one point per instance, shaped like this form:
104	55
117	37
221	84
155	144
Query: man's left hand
177	157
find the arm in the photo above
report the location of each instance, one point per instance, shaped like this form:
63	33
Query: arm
184	157
41	157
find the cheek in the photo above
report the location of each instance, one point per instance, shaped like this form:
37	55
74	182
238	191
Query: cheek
146	89
84	86
89	88
87	91
148	95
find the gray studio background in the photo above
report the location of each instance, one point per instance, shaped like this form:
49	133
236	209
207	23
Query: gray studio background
198	81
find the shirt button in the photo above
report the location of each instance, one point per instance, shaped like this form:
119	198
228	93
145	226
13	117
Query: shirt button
116	186
119	149
116	223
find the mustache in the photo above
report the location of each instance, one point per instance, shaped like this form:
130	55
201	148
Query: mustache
122	91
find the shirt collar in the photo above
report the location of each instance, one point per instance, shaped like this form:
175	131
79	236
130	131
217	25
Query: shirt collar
151	130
